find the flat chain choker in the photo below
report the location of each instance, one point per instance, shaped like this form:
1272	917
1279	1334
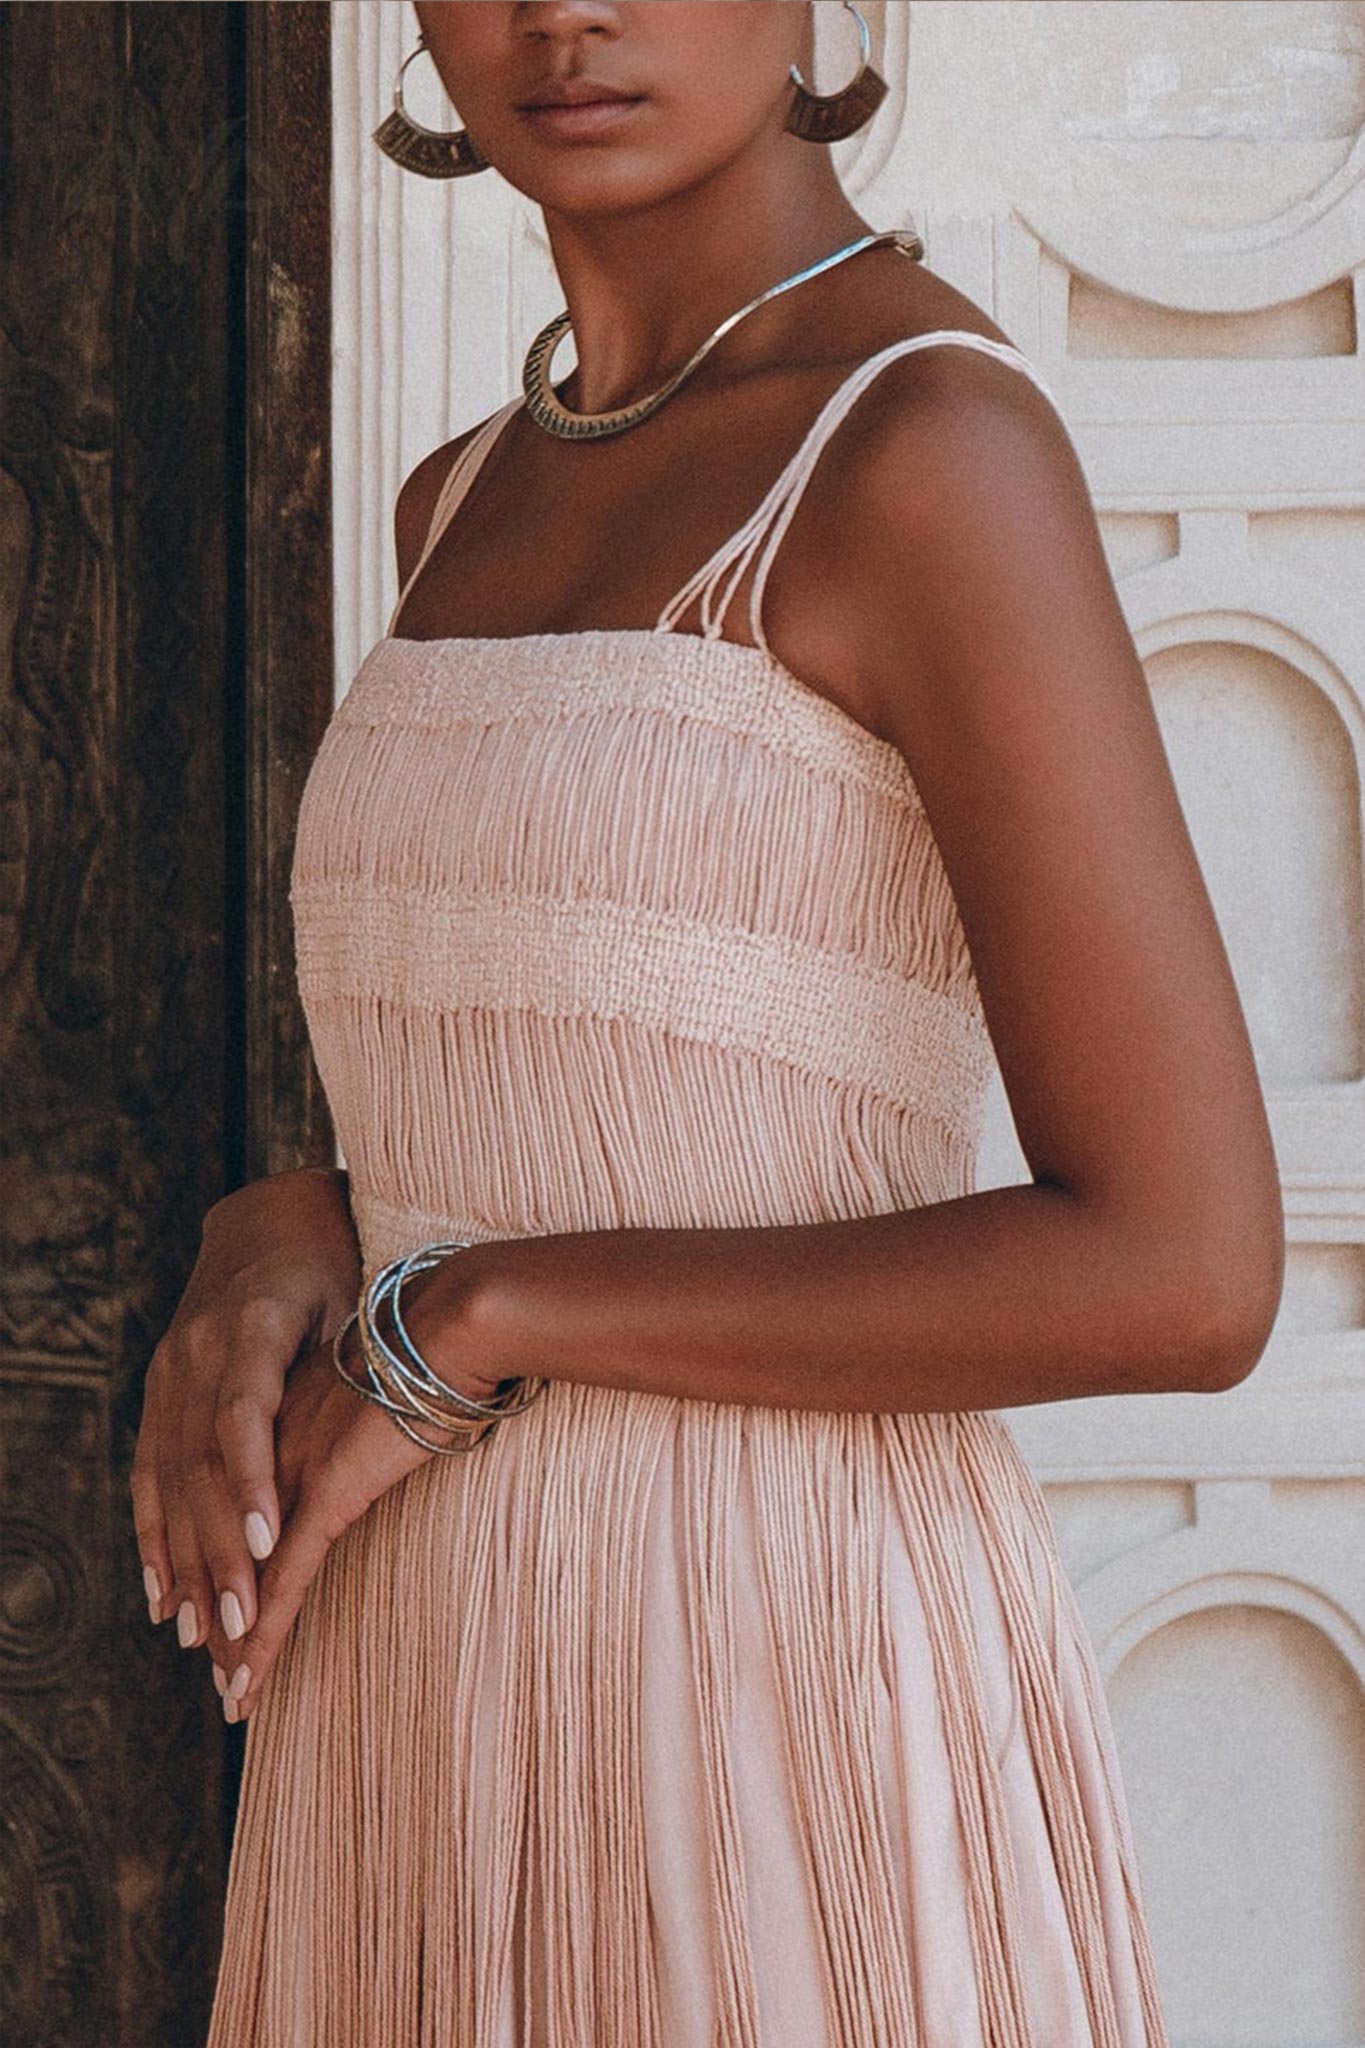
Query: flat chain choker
549	412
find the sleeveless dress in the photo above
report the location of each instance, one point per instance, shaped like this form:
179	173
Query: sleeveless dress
659	1723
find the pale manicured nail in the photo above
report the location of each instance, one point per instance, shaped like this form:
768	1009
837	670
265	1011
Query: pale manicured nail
186	1623
234	1621
230	1710
259	1540
151	1586
241	1682
219	1680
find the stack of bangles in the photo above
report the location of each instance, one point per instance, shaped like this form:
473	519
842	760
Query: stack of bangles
400	1380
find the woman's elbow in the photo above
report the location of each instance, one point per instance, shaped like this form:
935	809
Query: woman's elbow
1220	1315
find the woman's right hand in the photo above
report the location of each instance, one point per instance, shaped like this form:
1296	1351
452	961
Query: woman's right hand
278	1272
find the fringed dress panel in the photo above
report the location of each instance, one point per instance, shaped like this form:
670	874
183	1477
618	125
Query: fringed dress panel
660	1723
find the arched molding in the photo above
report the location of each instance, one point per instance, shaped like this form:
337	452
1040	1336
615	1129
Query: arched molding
1211	593
1251	601
1094	220
1259	1557
1202	272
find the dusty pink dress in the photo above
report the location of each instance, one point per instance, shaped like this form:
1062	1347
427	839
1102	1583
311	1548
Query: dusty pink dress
660	1723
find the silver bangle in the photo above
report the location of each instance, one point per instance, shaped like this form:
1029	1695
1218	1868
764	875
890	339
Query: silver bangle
381	1355
414	1376
500	1405
400	1379
396	1412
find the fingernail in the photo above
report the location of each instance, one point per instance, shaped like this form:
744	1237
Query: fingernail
234	1622
219	1680
241	1682
186	1623
151	1586
259	1540
230	1710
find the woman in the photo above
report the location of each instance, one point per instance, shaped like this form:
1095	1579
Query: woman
699	1667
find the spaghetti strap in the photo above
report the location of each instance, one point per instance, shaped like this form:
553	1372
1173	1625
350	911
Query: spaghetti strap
772	516
768	521
454	489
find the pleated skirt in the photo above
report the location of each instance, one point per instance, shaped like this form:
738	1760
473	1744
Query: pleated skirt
668	1724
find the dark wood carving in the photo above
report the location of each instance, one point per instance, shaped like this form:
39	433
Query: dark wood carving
164	670
289	584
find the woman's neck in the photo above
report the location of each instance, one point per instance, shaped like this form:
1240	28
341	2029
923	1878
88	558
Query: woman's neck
644	289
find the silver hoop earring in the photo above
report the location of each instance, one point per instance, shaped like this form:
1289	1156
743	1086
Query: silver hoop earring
431	152
830	116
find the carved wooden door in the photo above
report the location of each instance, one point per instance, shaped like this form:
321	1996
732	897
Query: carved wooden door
164	548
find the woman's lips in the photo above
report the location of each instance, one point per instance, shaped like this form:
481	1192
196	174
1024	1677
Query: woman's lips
583	122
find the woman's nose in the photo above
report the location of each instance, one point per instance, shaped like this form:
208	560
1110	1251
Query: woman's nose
564	19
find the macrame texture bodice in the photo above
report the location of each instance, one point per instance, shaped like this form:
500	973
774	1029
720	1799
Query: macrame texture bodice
631	926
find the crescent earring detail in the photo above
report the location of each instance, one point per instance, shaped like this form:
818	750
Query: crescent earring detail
830	116
431	152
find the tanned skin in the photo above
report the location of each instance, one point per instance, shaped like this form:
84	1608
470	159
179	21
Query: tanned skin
944	585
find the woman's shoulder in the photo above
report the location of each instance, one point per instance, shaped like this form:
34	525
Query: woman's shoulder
895	302
928	414
912	308
417	496
947	451
953	394
933	412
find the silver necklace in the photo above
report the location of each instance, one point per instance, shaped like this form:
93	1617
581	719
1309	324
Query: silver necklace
549	412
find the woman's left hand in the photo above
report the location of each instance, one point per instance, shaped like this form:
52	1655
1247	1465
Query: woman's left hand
335	1454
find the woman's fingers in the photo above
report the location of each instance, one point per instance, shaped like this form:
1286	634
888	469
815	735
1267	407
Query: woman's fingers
268	1338
189	1597
278	1263
149	1514
336	1454
231	1570
185	1593
205	1499
158	1575
214	1571
285	1578
214	1589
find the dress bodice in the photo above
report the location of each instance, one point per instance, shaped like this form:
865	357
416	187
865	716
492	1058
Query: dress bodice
629	927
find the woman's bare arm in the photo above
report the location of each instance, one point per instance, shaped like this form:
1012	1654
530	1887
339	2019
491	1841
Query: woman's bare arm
1146	1254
